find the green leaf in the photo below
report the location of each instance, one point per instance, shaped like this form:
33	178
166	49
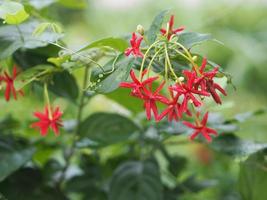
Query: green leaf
13	12
64	84
11	39
111	81
136	180
107	128
47	25
13	155
253	177
115	43
156	26
234	146
75	4
30	185
121	96
190	39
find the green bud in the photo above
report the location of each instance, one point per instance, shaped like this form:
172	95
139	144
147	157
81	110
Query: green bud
140	29
194	58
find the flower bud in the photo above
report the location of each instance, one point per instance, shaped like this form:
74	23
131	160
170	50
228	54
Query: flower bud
194	58
181	79
140	29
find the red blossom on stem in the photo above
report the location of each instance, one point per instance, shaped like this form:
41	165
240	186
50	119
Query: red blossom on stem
188	90
201	128
206	82
143	90
9	81
171	31
135	46
48	120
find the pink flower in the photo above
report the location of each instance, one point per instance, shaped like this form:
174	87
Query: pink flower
135	46
10	88
171	31
201	128
46	121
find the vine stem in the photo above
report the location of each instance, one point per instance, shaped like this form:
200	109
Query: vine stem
76	132
143	61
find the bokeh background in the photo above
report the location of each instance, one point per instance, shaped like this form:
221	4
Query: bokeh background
241	25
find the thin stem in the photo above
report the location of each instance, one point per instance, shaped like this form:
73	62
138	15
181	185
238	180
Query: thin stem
169	63
77	130
194	65
143	61
78	54
152	59
46	95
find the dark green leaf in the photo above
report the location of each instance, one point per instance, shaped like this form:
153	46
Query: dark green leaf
64	84
115	43
155	26
253	177
234	146
107	128
136	180
13	155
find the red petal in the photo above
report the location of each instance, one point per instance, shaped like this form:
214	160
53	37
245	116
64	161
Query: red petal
7	92
205	119
171	22
204	63
194	134
188	124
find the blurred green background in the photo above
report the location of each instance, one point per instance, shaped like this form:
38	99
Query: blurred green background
240	24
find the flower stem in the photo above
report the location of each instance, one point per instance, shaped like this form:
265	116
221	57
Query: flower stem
170	65
151	61
143	61
46	95
76	132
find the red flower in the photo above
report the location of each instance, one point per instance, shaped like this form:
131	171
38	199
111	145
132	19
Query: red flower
201	128
10	88
135	46
171	31
138	86
173	111
188	90
143	90
46	120
207	84
151	98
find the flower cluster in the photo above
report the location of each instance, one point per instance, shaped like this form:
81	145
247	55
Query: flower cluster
184	95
